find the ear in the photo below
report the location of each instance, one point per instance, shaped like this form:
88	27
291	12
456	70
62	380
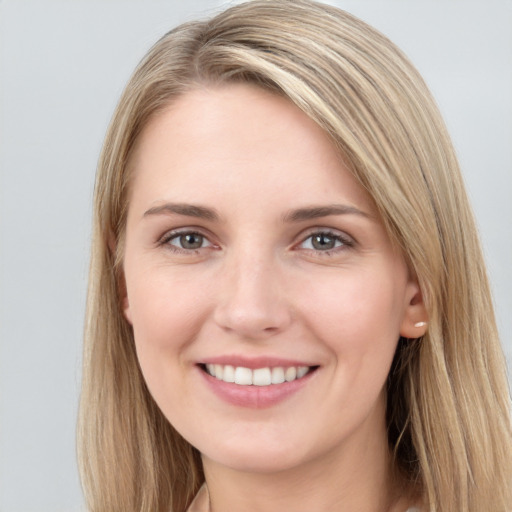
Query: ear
123	297
120	280
125	303
415	319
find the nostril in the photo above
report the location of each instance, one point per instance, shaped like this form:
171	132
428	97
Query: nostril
252	322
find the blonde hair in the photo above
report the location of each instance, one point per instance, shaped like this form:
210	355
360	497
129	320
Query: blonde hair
448	399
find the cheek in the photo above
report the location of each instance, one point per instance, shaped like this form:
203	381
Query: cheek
164	314
163	326
160	302
350	306
357	316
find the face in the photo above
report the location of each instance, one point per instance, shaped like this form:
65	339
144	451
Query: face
265	296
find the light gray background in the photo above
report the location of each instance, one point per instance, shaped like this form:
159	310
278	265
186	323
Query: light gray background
62	68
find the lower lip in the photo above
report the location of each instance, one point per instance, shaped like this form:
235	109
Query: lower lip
255	397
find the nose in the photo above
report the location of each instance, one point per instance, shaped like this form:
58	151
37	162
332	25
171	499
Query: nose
251	301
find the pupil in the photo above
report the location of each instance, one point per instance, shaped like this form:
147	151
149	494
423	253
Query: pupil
191	241
323	242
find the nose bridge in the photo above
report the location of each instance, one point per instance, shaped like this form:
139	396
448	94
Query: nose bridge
252	301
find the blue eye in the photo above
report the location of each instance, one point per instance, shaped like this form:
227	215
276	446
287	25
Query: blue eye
187	241
323	241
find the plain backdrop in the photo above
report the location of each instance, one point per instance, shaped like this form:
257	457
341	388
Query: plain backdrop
63	65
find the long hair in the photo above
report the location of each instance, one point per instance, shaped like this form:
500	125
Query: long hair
448	409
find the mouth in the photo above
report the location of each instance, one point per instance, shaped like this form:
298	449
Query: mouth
265	376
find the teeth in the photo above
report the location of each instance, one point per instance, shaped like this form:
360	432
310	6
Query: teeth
262	377
301	371
277	375
219	371
290	374
229	374
243	376
258	377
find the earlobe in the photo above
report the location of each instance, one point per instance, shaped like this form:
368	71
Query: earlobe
126	309
121	284
125	303
415	320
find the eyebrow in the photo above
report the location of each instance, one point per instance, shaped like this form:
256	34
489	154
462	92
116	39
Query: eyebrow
189	210
315	212
298	215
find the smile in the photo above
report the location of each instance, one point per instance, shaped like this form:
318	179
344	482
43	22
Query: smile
255	383
259	376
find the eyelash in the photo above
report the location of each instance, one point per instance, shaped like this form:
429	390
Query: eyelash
168	237
344	242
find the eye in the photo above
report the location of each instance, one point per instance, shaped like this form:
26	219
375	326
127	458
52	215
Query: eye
325	241
186	241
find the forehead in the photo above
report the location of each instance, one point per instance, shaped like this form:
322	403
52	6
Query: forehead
238	140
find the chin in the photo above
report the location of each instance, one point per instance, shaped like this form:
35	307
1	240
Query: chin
252	463
265	458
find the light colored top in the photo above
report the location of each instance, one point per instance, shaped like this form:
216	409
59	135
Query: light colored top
201	502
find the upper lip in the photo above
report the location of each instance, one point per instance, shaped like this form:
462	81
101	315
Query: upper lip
255	362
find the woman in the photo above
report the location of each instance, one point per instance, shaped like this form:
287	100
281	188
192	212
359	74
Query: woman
288	307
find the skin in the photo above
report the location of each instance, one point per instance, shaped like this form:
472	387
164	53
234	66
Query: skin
257	286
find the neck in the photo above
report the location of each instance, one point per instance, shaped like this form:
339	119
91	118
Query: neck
357	476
